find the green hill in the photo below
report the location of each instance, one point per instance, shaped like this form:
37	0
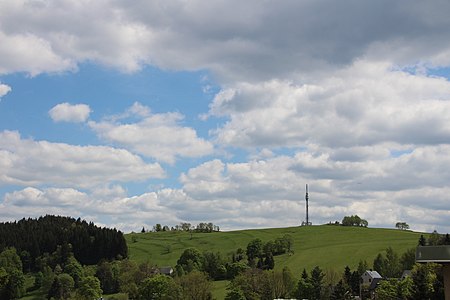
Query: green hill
329	247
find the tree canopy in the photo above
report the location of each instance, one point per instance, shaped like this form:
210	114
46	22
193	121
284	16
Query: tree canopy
88	242
354	221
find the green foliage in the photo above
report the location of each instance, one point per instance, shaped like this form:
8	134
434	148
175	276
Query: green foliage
38	278
34	237
195	286
388	265
74	269
316	278
48	276
393	266
10	260
254	284
107	273
341	292
89	288
254	251
379	264
387	289
395	289
269	262
434	238
402	225
282	283
236	268
354	221
130	275
12	279
214	265
304	289
3	278
408	259
155	288
424	277
191	259
235	294
62	286
310	287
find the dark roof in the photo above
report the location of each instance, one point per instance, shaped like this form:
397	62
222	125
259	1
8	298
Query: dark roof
166	270
437	254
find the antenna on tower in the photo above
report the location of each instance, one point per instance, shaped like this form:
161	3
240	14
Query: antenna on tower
307	223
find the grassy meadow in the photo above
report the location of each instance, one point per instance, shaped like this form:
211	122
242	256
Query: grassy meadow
329	247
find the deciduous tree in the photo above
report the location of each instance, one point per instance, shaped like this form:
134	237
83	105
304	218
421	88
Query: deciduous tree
402	225
195	286
89	288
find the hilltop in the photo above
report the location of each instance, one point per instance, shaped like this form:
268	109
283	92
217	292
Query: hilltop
330	247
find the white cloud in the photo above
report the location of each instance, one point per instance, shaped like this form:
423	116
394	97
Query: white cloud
260	42
49	197
66	112
32	54
362	105
382	189
29	162
4	89
159	136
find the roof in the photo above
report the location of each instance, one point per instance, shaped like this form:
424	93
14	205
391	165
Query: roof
373	274
436	254
166	270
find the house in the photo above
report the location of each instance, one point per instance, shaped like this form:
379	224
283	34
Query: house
166	271
369	282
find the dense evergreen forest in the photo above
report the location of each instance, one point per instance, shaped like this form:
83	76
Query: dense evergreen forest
89	243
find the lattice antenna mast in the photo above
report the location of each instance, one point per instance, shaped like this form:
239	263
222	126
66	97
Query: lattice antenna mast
307	199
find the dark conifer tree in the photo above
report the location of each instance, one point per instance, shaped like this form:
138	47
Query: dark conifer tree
89	243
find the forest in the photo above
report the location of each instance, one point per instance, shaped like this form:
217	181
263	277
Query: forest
32	238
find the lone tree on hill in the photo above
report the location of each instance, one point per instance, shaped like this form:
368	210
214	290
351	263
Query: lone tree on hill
402	225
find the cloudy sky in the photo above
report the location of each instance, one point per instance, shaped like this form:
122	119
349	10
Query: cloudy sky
134	113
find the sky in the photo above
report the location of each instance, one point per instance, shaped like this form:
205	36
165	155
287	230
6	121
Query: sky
130	114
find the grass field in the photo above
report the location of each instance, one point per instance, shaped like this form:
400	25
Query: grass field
329	247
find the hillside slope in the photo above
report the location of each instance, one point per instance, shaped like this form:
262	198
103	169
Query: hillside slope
330	247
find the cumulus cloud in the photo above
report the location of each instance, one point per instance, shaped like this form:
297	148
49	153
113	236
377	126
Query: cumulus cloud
66	112
362	105
382	188
4	89
159	136
49	197
260	42
28	162
26	52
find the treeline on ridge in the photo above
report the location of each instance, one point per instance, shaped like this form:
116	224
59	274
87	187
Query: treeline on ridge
201	227
89	243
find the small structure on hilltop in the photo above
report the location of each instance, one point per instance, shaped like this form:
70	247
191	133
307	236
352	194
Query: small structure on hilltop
307	222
